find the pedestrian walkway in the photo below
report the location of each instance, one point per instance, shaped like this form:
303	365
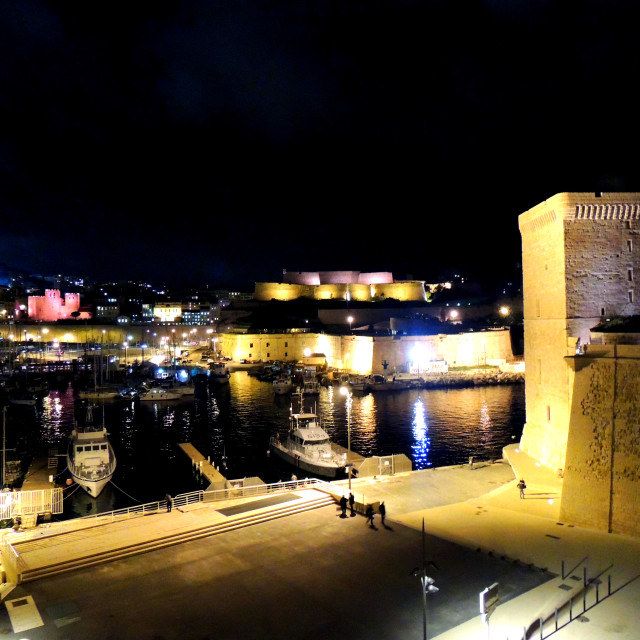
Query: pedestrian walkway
475	506
47	552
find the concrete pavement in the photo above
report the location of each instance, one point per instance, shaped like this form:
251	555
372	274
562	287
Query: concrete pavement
314	575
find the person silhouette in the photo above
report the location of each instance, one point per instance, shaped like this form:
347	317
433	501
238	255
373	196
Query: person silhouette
370	515
383	512
343	506
352	502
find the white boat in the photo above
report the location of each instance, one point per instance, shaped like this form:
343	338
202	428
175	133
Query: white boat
218	373
90	456
307	447
283	384
310	387
157	394
357	383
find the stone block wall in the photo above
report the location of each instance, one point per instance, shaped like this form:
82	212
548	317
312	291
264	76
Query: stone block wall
579	258
602	471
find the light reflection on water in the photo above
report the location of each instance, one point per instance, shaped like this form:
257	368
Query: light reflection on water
421	437
432	427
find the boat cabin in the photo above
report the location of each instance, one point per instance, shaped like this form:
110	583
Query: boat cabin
91	448
306	430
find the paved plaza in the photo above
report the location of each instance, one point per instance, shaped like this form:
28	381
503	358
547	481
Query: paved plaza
317	575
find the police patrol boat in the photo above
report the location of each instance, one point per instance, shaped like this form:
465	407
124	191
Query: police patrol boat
307	446
90	456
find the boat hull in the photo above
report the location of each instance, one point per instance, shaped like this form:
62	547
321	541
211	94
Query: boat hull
92	487
300	462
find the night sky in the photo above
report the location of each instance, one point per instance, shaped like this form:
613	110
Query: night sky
222	142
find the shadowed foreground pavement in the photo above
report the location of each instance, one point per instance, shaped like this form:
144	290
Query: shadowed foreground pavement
317	575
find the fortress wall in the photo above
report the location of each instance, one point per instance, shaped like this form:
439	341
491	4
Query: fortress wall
409	290
465	349
365	354
602	472
599	257
339	277
266	291
378	277
281	346
301	277
340	291
545	333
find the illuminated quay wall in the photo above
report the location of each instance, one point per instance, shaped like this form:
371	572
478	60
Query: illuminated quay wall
458	350
365	354
580	252
152	335
601	487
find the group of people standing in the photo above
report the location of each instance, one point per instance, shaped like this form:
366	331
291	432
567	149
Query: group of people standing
343	505
369	512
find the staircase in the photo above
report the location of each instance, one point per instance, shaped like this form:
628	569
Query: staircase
84	558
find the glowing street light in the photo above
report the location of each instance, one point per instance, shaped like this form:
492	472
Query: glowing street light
350	321
345	392
504	311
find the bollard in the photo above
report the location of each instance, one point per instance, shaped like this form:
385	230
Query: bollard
541	634
570	609
584	577
556	617
562	569
597	591
609	581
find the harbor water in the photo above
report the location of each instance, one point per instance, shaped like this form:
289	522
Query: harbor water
231	425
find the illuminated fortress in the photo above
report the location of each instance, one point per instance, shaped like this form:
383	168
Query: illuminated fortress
581	262
340	285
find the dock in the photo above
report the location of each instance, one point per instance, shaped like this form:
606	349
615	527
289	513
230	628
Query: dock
204	467
42	471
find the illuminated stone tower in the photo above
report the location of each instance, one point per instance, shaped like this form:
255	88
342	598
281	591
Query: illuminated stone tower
581	264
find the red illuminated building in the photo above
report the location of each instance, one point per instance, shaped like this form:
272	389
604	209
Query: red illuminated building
52	306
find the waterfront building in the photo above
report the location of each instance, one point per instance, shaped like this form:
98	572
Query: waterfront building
107	311
167	311
581	260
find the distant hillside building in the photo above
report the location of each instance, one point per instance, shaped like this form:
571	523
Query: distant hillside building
581	264
51	306
340	285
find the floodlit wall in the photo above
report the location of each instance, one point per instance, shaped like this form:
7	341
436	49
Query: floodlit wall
51	306
365	354
601	486
580	254
409	290
266	291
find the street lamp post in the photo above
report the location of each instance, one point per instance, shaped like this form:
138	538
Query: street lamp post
427	583
345	392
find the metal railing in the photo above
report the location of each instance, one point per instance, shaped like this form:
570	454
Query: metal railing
220	495
592	593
